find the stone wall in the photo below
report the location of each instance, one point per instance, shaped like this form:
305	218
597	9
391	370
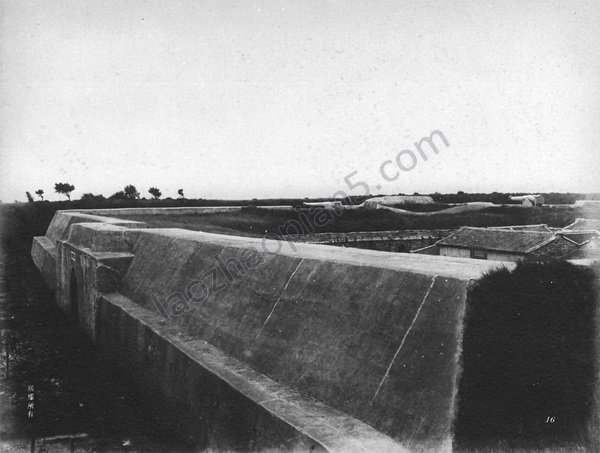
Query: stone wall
248	343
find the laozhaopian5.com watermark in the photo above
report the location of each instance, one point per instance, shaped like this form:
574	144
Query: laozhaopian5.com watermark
225	272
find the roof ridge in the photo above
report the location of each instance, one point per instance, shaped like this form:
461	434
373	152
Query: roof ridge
519	225
502	240
539	246
510	231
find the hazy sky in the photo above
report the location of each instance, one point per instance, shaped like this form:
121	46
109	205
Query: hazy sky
285	98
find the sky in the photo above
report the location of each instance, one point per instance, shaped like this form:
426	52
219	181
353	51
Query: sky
267	99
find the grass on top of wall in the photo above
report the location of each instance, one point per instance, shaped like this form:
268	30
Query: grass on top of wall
530	358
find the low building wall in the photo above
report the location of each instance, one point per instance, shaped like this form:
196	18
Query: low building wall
388	241
197	384
165	211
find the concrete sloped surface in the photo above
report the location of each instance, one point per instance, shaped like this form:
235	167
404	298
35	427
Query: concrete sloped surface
357	330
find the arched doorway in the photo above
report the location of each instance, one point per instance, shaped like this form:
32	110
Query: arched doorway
74	295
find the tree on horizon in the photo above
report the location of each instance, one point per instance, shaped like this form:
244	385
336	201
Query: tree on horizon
64	188
90	197
180	192
131	193
155	192
40	193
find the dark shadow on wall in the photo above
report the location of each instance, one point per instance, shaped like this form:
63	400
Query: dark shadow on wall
529	359
74	295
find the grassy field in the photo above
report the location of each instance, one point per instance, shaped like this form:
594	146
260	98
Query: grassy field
34	218
257	222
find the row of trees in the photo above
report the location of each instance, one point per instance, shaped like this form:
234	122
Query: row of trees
129	192
63	188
